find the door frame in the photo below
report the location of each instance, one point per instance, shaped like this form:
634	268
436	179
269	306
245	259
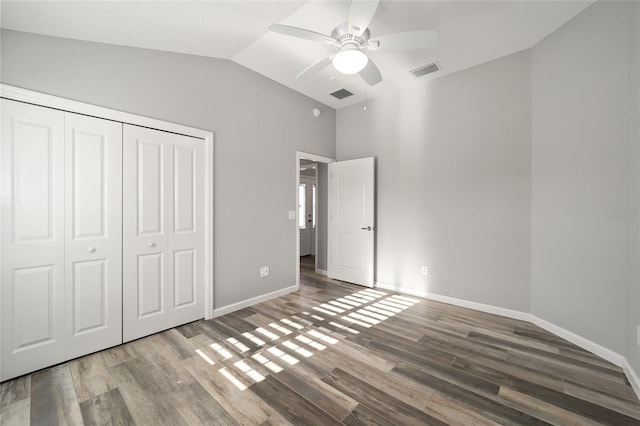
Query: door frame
300	155
55	102
309	201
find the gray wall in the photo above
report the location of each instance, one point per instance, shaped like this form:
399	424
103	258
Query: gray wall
633	292
584	163
453	182
259	125
519	176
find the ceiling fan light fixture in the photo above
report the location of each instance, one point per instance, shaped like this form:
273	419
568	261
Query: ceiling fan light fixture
350	60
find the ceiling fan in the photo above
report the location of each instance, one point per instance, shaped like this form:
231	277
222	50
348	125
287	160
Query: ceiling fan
352	38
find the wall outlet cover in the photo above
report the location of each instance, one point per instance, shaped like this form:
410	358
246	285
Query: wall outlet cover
424	270
264	271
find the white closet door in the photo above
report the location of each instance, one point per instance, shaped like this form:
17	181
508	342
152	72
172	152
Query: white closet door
93	255
163	231
32	237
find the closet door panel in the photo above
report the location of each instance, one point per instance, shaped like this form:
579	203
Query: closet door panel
184	280
163	231
187	240
150	182
93	149
150	289
31	238
33	322
89	295
184	202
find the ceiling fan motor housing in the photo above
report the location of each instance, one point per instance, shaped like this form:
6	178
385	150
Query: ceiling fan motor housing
344	37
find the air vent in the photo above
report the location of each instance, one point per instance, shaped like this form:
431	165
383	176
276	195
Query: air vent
425	69
341	94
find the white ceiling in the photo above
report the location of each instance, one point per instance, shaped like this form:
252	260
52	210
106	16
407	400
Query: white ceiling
471	32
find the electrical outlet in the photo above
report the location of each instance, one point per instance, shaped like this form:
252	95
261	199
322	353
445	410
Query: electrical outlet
425	270
264	271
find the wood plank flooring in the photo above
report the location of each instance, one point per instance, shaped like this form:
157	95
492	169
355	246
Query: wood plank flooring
332	353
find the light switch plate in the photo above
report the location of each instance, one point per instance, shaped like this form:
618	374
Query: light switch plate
292	215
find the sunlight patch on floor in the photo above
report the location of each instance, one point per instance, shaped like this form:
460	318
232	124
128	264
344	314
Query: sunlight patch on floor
232	379
365	308
267	333
291	323
205	357
253	338
267	362
222	351
238	345
246	369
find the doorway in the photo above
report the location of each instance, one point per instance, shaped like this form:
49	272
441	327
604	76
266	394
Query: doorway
311	214
307	208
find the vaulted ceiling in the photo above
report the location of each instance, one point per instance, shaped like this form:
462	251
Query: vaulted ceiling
471	32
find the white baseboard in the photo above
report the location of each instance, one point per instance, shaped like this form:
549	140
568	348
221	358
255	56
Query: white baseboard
606	354
491	309
632	376
321	272
254	300
583	342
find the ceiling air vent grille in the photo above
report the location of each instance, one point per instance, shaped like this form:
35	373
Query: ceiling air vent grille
341	94
425	69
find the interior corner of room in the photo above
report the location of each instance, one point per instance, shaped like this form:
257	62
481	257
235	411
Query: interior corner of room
510	187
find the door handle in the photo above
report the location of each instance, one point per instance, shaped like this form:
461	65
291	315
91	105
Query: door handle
368	228
151	244
92	249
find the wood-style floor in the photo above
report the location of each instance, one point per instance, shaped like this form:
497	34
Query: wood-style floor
332	353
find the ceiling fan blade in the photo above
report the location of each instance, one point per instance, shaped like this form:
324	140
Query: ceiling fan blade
316	67
300	33
360	15
409	40
371	74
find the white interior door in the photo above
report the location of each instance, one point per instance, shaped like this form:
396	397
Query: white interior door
163	231
93	246
32	236
351	221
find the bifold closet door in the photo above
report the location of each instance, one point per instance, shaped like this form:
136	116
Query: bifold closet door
93	245
61	236
32	234
163	231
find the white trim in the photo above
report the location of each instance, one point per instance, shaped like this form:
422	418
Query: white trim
314	206
321	272
314	157
223	310
491	309
29	96
318	159
576	339
55	102
632	376
605	353
209	228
